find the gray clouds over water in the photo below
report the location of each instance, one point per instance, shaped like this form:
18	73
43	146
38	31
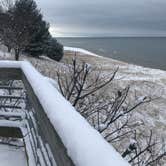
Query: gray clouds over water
105	17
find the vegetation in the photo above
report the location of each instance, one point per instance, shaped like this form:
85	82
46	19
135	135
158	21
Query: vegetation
24	30
111	114
54	50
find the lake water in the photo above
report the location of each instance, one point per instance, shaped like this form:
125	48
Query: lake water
144	51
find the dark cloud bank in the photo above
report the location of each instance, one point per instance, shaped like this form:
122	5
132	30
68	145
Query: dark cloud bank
105	17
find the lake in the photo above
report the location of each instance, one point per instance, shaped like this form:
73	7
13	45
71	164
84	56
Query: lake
144	51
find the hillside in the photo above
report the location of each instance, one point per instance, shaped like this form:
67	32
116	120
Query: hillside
142	82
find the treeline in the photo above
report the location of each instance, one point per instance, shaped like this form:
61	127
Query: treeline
23	30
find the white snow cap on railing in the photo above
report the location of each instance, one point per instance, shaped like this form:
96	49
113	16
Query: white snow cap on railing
85	146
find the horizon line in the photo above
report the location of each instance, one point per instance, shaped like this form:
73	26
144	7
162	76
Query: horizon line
109	36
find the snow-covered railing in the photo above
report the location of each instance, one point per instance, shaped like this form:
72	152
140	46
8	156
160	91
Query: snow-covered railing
71	139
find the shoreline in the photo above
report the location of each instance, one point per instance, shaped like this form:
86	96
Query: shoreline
80	50
143	82
84	52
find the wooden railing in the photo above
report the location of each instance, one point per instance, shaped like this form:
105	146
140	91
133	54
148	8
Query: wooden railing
58	124
45	129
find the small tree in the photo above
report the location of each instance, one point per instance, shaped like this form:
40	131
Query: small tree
23	29
24	16
22	24
39	39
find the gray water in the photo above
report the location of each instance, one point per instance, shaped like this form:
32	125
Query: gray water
144	51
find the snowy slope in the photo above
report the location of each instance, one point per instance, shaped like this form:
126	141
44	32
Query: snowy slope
143	81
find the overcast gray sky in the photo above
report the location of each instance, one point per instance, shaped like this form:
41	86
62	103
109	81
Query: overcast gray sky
105	17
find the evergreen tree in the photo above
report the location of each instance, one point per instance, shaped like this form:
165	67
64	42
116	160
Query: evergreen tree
23	29
37	27
39	39
54	50
24	18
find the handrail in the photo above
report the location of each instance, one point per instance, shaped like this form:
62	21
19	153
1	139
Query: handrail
71	139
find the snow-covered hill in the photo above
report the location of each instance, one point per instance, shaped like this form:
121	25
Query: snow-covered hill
143	82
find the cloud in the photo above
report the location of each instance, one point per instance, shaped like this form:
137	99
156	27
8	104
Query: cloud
105	17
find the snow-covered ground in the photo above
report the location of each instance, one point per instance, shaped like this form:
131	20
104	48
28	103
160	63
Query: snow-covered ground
84	144
12	156
80	50
143	81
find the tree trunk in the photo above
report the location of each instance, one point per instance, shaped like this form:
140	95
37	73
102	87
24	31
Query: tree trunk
9	49
17	54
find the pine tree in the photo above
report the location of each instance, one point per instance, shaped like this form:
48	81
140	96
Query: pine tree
24	20
38	29
39	39
24	30
54	50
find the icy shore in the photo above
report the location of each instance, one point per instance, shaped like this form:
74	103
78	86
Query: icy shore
80	50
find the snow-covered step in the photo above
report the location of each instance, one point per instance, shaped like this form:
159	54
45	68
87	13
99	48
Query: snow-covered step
12	114
11	88
12	156
11	97
10	123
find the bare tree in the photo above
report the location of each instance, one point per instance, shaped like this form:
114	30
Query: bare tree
17	24
84	87
81	81
151	152
13	30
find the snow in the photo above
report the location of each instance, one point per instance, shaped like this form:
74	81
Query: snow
80	50
10	155
27	140
143	82
13	114
85	145
4	54
52	81
8	123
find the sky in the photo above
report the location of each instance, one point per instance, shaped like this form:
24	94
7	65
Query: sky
105	17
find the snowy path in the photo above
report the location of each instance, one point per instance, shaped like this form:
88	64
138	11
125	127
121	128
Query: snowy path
9	156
